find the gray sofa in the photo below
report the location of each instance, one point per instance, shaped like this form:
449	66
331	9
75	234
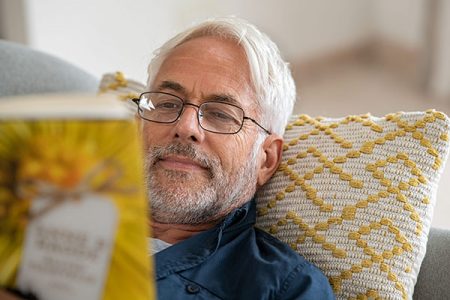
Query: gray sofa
434	277
26	71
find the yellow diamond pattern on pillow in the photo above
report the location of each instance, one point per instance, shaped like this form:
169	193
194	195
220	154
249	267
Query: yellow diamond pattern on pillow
355	196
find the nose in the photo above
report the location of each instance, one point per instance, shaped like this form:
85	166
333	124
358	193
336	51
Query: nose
187	127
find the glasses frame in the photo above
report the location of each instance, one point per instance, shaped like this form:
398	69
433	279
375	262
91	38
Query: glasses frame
137	101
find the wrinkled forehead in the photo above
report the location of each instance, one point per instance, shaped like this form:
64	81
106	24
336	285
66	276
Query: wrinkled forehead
207	65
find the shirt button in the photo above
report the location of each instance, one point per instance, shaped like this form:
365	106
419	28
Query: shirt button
192	289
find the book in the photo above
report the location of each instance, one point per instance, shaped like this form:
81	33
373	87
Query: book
73	206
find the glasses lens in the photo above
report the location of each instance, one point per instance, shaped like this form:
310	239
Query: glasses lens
160	107
221	117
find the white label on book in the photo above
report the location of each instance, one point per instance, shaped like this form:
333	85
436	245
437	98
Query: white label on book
68	248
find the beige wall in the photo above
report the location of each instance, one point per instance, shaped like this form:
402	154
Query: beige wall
441	75
306	29
102	37
13	21
401	21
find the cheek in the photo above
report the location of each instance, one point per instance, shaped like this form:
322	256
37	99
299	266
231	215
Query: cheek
146	137
234	154
152	134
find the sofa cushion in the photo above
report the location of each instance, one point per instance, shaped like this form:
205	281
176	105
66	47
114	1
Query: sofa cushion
355	196
433	281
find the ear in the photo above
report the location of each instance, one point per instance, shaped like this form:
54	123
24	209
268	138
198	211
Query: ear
270	158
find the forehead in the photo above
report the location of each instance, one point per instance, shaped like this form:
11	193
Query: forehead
207	66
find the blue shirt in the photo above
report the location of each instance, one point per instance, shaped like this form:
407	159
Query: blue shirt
235	260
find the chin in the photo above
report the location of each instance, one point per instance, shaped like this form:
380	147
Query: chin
177	177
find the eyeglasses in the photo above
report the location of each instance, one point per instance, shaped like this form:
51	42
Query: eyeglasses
213	116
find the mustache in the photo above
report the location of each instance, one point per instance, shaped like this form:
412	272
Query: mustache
210	163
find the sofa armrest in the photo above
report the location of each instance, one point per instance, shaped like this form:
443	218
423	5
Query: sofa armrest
27	71
434	280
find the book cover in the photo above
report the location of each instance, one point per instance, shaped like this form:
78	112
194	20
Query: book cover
73	209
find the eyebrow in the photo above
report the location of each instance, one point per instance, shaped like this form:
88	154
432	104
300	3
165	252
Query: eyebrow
176	87
172	85
225	98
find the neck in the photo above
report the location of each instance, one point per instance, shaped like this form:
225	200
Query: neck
175	233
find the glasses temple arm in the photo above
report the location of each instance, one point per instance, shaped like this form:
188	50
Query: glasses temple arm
259	125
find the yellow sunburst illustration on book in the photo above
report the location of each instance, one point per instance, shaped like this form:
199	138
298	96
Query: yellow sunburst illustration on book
64	161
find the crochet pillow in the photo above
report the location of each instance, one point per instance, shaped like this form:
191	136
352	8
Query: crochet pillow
355	196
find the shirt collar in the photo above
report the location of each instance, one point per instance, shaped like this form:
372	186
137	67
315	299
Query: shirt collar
193	251
242	216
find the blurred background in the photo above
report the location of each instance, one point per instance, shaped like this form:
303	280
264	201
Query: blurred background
347	56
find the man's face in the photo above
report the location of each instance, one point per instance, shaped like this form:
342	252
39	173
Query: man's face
195	176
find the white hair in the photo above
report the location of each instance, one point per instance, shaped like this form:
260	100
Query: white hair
270	74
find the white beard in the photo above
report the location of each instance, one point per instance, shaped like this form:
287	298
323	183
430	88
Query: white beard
178	197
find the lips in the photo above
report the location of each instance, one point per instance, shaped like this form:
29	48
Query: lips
182	163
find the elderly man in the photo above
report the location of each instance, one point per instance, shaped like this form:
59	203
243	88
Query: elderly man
213	119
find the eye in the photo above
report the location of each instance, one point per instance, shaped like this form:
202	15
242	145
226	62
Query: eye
168	104
220	113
